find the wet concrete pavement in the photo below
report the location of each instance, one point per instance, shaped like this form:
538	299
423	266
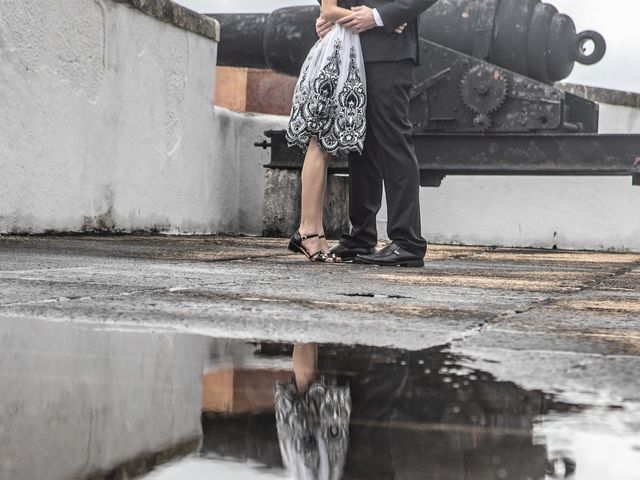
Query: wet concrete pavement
586	303
563	323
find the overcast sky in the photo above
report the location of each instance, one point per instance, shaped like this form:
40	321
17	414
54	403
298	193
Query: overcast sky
617	20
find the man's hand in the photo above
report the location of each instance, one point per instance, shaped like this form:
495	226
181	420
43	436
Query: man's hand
360	20
323	27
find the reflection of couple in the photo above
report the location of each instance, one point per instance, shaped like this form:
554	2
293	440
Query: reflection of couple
353	97
382	413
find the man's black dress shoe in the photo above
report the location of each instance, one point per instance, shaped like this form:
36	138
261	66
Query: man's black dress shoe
348	254
391	256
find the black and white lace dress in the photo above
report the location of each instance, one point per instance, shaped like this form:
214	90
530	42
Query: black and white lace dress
313	429
330	98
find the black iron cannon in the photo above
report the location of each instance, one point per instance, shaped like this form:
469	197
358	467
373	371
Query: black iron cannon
526	36
484	102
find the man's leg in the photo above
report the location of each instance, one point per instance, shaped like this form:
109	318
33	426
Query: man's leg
391	127
365	198
365	183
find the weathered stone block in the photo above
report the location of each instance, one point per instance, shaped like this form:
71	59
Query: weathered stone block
254	90
231	88
282	204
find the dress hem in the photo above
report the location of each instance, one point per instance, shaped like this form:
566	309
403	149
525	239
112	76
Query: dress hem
304	145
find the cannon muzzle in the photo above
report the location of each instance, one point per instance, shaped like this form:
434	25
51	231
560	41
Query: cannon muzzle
525	36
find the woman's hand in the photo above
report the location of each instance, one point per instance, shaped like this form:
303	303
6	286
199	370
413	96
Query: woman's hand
401	28
323	27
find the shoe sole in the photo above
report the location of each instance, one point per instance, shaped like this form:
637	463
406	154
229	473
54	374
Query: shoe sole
351	258
347	259
296	249
409	264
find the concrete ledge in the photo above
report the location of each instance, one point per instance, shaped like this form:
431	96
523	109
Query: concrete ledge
170	12
603	95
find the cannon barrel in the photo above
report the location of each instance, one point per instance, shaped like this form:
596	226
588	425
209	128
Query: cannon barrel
526	36
280	41
242	41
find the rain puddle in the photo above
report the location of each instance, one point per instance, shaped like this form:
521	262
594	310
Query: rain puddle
77	402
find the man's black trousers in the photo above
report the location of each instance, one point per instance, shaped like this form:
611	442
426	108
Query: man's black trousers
388	157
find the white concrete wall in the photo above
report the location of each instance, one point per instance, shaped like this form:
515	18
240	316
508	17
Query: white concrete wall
600	213
107	122
245	164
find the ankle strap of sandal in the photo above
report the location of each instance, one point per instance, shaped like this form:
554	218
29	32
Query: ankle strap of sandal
313	235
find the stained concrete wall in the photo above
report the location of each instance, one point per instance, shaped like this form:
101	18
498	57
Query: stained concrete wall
107	121
244	166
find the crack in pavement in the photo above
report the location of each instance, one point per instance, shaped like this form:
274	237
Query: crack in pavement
589	285
64	299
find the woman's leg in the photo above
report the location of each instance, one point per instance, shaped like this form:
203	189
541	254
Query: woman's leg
314	183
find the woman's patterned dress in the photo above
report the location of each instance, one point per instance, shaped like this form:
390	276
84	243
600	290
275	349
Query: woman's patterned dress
330	99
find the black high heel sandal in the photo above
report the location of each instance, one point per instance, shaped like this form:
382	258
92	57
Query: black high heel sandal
295	245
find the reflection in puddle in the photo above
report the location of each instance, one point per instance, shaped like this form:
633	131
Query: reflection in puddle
76	402
312	419
81	403
379	413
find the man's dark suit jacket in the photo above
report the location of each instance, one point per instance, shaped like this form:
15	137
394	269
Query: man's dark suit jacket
382	44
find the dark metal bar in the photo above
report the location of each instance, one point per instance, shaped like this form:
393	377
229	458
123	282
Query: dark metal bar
503	154
529	154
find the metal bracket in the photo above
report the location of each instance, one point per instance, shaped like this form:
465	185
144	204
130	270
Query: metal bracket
427	83
264	144
430	179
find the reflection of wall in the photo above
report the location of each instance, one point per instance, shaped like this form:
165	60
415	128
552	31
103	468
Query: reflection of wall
242	437
237	390
76	401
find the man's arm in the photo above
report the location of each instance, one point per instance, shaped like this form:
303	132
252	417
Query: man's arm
401	11
365	18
